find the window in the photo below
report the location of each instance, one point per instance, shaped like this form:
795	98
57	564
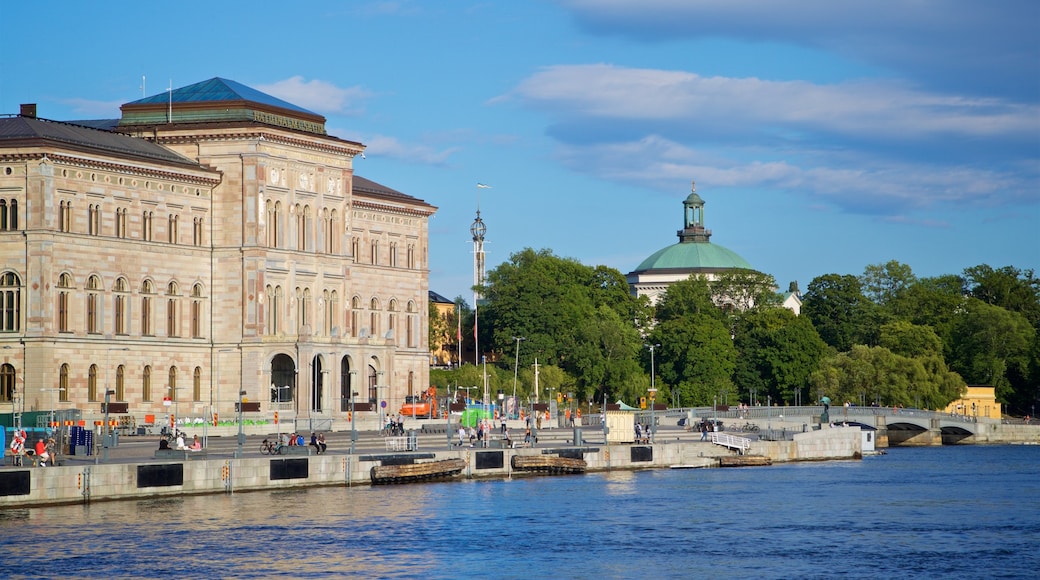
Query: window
274	309
65	217
172	383
171	310
147	290
121	223
11	307
8	380
411	257
63	383
354	248
93	305
329	314
393	254
355	310
373	325
8	215
392	320
330	231
147	233
196	311
375	252
146	383
64	285
92	376
196	385
172	228
196	232
410	329
273	209
120	302
120	383
94	220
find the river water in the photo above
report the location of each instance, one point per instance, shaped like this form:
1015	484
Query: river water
964	512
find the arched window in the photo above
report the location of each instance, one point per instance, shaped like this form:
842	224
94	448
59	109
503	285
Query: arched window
355	313
92	377
94	220
63	383
65	217
121	222
121	299
393	254
146	383
355	248
172	383
147	232
373	317
171	310
8	380
391	322
8	215
147	291
196	232
11	307
196	385
64	286
171	228
93	304
120	383
410	329
196	311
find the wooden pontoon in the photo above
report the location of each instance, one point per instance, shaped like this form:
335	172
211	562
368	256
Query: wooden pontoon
412	472
552	464
744	460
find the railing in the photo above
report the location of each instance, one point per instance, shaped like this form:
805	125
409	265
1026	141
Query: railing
741	444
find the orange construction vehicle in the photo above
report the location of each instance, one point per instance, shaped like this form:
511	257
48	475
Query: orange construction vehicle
424	405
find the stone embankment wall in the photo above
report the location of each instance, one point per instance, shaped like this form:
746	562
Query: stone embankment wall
154	478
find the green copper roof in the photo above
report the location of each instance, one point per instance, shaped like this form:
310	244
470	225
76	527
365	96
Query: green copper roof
217	90
693	256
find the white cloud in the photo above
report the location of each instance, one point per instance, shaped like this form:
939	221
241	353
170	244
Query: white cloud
863	108
413	153
319	96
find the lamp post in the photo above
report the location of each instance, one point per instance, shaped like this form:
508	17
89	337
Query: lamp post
653	394
516	363
241	435
106	432
353	428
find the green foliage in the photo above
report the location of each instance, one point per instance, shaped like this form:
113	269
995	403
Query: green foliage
778	351
884	284
988	342
840	312
698	355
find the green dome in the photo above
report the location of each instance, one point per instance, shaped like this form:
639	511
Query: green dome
693	256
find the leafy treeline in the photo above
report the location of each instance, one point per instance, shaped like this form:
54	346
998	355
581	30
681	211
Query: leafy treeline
885	337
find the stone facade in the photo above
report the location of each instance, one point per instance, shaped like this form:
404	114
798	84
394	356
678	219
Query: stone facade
253	263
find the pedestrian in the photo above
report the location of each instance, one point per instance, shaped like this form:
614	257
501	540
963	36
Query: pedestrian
639	433
321	443
41	453
462	435
704	430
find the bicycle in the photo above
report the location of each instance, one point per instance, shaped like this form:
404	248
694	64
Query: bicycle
273	448
749	428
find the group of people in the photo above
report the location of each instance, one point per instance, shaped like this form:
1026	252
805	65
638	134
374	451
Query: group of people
42	453
394	427
317	441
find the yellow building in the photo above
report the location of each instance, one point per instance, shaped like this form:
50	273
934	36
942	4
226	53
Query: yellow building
213	243
978	401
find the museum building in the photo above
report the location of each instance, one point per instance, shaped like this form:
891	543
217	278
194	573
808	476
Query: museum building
210	247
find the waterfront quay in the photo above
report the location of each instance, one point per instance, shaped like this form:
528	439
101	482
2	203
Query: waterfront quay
132	469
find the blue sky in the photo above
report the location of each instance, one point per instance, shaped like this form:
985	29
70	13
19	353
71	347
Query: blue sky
823	135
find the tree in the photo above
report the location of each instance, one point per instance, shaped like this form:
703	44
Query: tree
778	351
884	284
687	297
744	289
988	342
840	312
697	355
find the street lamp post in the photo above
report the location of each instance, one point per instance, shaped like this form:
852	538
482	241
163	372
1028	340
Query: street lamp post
241	435
353	428
653	393
516	363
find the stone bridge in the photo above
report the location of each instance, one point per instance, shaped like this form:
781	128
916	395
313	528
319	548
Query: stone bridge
895	427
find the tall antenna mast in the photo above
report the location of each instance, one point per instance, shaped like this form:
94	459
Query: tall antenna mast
143	93
169	118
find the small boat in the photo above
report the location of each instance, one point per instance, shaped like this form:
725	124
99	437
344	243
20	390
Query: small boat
412	472
552	464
